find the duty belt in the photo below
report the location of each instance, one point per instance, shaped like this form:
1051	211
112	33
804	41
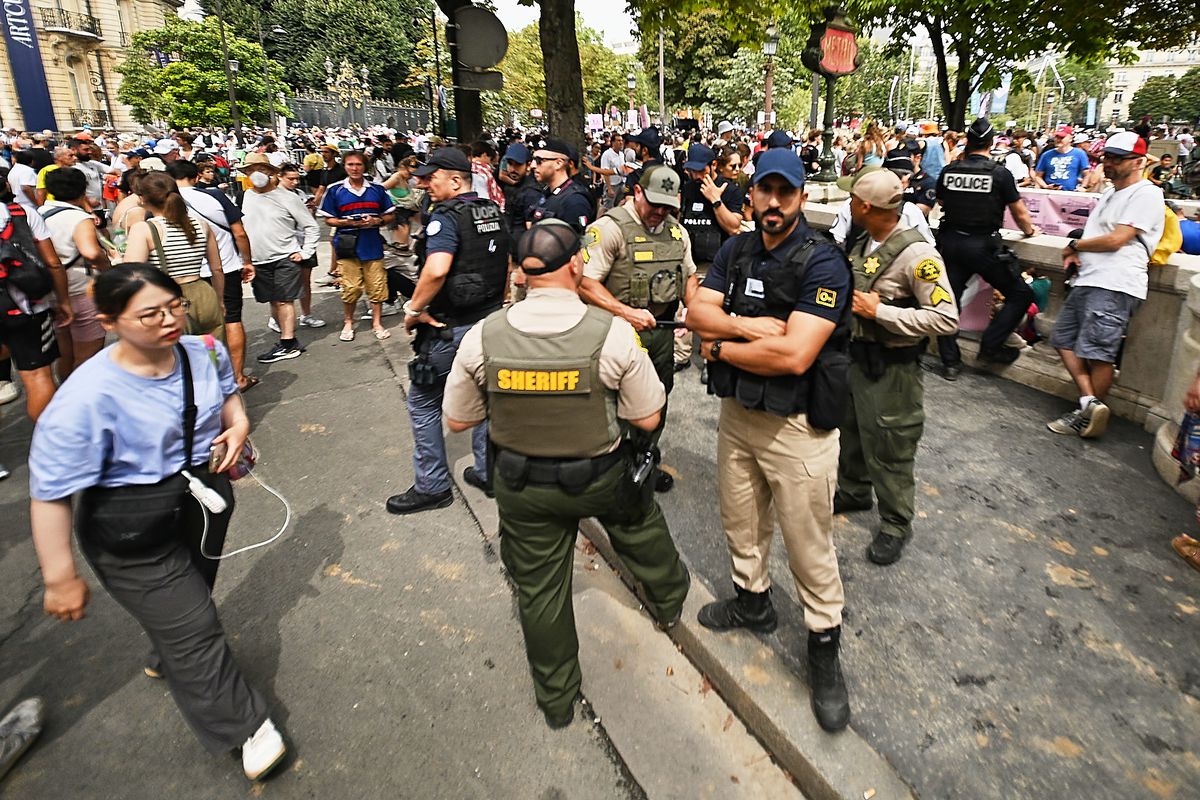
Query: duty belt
572	474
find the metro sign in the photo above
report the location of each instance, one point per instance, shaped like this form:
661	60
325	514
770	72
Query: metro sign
839	51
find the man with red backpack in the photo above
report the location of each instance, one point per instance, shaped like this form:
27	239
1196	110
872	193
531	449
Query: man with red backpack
33	300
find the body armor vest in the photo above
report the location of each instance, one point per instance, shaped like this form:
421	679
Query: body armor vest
706	234
867	270
478	275
969	195
545	397
651	273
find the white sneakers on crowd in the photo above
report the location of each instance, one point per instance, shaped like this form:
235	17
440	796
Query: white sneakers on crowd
8	392
304	320
263	751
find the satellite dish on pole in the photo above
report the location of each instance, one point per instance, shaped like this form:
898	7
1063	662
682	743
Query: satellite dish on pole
482	40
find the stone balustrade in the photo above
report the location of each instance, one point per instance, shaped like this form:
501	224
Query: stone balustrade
1161	355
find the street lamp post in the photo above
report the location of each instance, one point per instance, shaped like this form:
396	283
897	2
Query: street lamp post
262	42
770	46
230	74
832	52
1050	122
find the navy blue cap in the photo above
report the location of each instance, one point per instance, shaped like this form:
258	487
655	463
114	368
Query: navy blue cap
519	153
780	161
448	158
779	139
140	152
699	156
649	138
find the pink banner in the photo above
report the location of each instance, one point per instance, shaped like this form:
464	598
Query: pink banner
1056	213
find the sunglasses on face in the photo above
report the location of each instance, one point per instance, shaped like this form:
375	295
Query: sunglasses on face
544	159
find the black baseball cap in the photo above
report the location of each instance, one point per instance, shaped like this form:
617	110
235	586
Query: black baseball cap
899	160
449	158
648	137
551	241
558	147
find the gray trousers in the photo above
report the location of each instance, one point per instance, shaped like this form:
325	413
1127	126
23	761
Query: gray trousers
169	597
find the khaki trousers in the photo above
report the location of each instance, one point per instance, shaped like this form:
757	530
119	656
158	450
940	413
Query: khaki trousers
778	464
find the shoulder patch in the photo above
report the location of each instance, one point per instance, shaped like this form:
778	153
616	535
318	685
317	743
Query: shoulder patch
939	296
826	297
434	228
927	270
592	236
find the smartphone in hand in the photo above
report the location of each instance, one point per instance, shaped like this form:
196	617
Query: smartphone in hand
216	455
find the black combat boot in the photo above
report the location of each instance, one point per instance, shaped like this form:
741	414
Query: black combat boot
830	702
750	610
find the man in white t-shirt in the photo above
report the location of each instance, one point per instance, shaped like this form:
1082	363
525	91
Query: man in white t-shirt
1112	259
612	167
22	180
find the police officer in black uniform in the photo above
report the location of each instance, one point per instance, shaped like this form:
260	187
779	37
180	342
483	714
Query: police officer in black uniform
563	197
974	191
647	147
463	272
521	191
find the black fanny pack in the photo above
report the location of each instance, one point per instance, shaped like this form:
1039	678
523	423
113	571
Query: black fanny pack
345	244
131	519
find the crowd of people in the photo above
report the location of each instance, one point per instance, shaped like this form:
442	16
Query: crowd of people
553	295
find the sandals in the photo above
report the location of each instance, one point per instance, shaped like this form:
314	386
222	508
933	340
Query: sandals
383	334
347	335
1188	549
251	382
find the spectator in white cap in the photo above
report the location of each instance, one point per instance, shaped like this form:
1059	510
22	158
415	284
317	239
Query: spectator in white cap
724	134
167	150
1109	264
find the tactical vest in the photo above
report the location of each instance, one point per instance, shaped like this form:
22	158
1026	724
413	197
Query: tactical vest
651	273
475	284
545	397
867	270
969	196
550	207
782	395
699	219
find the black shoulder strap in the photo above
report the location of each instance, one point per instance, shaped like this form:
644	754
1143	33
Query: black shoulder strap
732	272
189	405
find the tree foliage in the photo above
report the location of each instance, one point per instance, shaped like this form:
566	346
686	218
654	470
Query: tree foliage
1156	98
695	49
380	37
868	91
1187	96
602	72
975	42
193	90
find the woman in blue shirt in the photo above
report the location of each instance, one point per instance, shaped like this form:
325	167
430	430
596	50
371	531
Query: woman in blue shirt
118	421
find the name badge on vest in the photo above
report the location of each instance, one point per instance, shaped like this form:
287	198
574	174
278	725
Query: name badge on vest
697	206
754	288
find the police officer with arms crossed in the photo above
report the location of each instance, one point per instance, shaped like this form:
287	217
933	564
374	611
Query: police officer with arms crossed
555	378
773	317
462	277
901	295
710	212
564	197
974	191
638	266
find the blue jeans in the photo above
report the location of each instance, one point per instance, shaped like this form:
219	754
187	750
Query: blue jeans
430	470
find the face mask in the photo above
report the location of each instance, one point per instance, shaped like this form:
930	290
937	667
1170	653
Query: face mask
259	180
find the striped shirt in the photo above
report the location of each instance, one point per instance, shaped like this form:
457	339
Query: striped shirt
184	258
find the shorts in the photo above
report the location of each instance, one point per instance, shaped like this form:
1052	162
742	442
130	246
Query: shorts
31	341
1092	323
85	327
403	216
357	275
277	281
232	297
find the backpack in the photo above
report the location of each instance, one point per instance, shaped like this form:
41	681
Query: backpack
24	279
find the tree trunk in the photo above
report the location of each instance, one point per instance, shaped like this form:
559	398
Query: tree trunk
934	27
564	78
962	87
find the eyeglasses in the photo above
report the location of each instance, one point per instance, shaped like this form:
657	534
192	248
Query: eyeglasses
176	308
544	159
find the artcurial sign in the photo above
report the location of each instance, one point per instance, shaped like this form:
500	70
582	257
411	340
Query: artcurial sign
832	49
26	58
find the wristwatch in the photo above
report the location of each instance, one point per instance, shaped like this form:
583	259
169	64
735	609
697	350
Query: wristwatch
716	349
1073	245
718	203
409	311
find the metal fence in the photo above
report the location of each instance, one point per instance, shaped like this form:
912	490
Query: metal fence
327	112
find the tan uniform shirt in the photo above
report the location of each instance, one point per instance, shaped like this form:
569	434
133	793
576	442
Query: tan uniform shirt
624	366
605	245
917	272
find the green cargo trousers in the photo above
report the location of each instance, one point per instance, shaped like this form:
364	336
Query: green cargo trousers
538	526
660	346
883	425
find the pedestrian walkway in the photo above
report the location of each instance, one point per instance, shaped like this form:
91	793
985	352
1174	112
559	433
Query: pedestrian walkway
1038	639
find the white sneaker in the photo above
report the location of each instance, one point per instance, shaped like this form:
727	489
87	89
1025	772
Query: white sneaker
272	324
385	310
4	473
262	751
8	392
311	322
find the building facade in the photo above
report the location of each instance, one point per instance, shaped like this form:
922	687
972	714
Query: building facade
1128	78
61	58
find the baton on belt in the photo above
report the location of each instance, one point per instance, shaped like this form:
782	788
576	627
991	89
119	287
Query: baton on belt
668	324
